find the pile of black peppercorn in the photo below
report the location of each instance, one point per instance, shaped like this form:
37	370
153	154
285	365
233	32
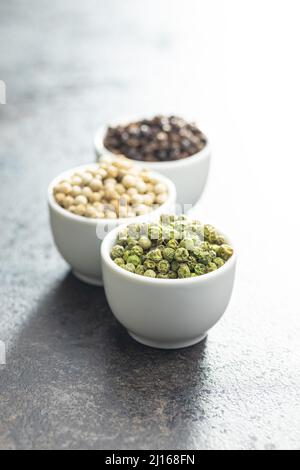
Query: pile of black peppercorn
163	138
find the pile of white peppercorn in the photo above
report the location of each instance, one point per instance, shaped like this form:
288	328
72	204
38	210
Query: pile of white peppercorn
113	189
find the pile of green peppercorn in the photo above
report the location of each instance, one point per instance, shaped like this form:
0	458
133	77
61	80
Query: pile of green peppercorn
174	248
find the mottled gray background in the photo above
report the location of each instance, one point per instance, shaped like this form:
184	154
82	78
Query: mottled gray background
74	379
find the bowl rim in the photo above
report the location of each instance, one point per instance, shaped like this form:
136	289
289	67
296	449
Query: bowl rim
106	259
172	198
100	147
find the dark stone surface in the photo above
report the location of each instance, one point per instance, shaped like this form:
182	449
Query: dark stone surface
73	377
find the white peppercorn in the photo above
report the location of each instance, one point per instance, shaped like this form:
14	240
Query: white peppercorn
125	191
80	200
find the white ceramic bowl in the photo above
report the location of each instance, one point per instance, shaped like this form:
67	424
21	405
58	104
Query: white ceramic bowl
165	313
78	239
189	174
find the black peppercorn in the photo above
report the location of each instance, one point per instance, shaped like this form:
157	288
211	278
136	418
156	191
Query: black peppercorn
161	139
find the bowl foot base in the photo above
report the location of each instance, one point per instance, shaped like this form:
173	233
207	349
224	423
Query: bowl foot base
88	280
167	344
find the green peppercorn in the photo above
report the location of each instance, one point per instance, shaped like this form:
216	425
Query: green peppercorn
122	242
172	275
162	276
172	244
184	271
155	255
206	257
187	243
130	267
120	262
131	242
178	248
181	254
175	266
149	264
219	262
197	252
150	273
205	246
220	240
134	259
140	270
225	252
145	243
168	254
192	261
211	267
117	251
163	266
199	269
215	248
137	250
126	255
210	233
